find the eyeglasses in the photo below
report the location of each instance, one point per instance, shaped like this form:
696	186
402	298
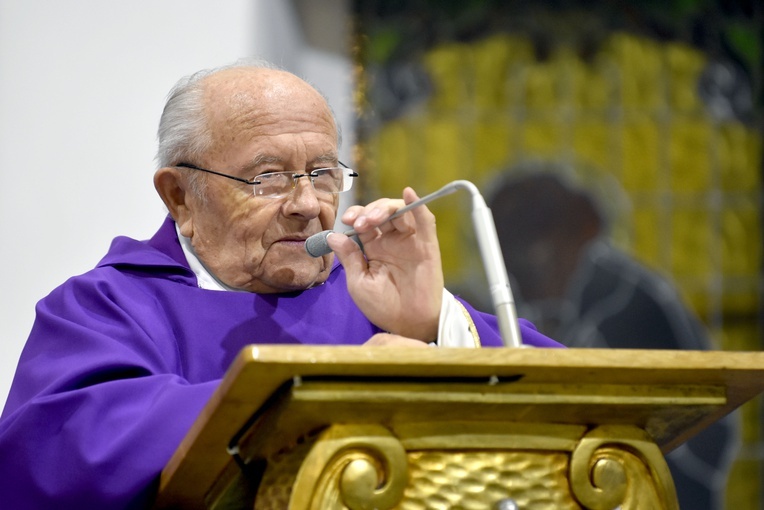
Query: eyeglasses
331	180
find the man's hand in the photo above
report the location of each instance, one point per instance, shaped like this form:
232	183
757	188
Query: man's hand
389	340
398	285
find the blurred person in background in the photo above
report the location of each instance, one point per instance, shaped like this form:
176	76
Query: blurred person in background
578	288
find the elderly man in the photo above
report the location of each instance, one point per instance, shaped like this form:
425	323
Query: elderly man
121	359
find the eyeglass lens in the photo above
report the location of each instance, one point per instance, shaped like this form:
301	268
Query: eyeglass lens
326	180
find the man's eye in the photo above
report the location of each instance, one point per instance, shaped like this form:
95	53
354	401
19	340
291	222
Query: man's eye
270	175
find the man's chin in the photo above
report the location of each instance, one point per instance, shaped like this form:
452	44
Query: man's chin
289	279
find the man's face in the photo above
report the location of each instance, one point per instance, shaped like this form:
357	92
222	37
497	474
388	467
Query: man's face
263	121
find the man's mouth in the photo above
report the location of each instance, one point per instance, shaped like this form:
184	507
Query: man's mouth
296	241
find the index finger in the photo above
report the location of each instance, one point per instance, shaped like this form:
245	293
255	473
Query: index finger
364	219
423	217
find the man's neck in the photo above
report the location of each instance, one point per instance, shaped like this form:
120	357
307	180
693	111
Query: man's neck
204	277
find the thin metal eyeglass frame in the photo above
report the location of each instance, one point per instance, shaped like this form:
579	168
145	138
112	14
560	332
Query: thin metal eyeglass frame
254	181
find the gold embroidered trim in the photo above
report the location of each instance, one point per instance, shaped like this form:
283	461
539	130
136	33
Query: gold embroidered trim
471	324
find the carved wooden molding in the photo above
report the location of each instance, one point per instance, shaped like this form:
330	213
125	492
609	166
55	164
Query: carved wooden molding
619	466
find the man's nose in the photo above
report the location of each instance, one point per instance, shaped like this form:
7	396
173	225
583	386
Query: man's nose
304	198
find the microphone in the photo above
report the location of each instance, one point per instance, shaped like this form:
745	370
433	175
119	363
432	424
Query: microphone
490	254
316	245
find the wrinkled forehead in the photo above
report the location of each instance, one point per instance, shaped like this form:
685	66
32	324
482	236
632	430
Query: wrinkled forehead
263	99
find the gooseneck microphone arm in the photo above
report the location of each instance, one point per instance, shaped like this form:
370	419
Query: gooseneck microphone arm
495	269
490	253
317	246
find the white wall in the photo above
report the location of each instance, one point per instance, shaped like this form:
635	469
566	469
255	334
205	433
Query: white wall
82	85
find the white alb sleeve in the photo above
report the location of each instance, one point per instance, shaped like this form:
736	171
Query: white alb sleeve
455	328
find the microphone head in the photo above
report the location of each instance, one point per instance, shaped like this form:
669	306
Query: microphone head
316	245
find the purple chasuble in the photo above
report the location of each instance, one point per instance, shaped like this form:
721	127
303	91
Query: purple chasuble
121	359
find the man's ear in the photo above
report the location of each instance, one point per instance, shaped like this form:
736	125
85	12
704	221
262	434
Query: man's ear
172	188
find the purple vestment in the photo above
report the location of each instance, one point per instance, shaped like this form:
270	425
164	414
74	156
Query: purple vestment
121	360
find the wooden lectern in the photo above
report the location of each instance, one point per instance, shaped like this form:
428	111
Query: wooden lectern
308	427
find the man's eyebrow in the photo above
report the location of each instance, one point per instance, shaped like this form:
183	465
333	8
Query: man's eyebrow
329	157
264	159
260	159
